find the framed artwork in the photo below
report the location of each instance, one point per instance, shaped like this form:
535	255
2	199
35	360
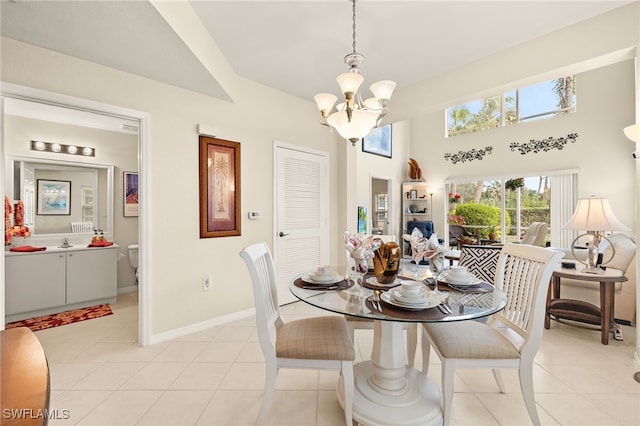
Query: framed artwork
378	142
362	220
54	197
130	191
219	188
413	193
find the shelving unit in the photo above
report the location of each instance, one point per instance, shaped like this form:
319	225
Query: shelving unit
415	206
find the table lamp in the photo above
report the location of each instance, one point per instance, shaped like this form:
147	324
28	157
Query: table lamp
594	215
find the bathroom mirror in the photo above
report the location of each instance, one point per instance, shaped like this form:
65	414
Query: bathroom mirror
89	198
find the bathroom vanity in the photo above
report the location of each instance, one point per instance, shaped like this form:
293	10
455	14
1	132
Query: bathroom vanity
59	279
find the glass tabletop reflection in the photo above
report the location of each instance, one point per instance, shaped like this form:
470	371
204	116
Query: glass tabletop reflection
347	299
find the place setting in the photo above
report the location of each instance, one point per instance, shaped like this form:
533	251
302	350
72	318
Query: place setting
459	278
414	296
322	278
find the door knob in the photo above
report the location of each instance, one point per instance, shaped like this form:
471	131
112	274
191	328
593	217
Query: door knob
282	234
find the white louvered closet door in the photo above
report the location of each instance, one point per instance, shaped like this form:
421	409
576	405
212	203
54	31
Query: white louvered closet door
301	215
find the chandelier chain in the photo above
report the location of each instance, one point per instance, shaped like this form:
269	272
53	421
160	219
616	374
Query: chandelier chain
354	26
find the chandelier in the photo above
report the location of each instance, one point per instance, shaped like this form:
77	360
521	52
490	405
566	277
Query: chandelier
355	118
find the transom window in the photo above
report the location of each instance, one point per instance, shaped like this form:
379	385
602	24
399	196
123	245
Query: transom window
541	100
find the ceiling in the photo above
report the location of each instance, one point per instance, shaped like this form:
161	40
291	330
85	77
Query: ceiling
294	46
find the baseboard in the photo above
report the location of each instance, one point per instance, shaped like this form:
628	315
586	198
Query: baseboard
194	328
129	289
622	322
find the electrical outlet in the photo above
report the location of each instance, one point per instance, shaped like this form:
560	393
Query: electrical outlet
206	283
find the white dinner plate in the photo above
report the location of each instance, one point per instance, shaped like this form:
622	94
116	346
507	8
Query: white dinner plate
332	280
374	281
398	296
473	280
431	302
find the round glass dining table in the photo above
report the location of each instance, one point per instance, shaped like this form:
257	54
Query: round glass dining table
387	391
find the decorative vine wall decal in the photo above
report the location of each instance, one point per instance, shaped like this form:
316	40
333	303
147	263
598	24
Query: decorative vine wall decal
544	144
474	154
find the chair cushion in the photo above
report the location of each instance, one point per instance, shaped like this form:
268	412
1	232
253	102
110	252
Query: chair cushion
470	339
315	338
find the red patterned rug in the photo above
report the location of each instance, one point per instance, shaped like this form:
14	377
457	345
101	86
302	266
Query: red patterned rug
62	318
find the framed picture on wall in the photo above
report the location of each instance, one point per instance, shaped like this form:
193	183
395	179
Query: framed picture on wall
130	191
219	188
54	197
378	142
362	220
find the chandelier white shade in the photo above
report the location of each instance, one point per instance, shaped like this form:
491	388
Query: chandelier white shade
359	126
355	118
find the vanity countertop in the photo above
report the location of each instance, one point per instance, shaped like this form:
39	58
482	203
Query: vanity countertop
57	249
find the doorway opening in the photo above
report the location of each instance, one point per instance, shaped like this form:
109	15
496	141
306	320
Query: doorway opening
76	107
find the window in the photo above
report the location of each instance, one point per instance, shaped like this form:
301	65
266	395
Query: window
541	100
502	209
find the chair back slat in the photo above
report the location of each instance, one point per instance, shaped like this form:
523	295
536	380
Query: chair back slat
524	272
260	264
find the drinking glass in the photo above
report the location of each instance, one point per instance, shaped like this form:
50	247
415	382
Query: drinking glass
418	252
436	266
358	270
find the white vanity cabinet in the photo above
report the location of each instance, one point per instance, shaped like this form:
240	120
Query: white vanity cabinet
46	282
91	274
33	282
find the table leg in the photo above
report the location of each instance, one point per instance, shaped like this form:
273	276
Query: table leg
556	287
387	391
606	310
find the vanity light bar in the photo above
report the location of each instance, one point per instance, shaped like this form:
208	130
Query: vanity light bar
58	148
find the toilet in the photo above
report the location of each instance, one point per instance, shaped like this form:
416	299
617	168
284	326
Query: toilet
133	258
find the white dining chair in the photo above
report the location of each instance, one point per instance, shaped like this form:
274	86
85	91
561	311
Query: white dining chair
319	343
510	338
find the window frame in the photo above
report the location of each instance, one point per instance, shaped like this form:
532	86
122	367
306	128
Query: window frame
502	122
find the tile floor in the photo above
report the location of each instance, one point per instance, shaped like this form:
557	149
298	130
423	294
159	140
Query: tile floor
215	377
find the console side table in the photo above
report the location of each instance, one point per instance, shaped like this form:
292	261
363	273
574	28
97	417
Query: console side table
579	310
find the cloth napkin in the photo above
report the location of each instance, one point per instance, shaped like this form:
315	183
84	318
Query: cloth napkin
27	249
101	244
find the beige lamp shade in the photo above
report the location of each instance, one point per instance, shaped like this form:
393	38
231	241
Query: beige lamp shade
633	132
594	214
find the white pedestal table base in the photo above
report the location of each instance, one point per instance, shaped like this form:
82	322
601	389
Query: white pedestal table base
387	392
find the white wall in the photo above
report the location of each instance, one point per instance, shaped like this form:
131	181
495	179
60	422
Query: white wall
606	104
179	258
601	152
394	169
260	115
